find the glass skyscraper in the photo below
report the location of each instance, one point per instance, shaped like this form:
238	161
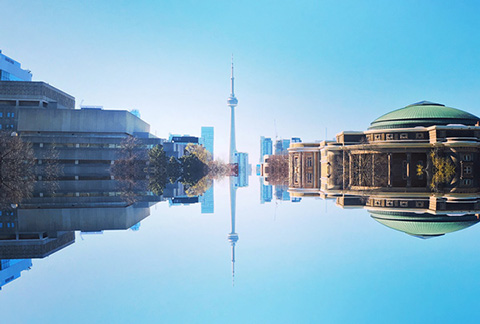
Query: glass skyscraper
11	70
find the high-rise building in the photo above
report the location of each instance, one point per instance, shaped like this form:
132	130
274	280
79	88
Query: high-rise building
11	70
207	139
265	147
282	145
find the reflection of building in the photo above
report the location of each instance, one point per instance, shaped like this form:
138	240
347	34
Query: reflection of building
424	225
281	193
265	192
12	269
11	70
42	227
207	200
415	169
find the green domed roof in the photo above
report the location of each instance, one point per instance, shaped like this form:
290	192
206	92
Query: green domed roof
423	225
425	114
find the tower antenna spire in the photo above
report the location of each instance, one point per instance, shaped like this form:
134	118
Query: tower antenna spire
232	81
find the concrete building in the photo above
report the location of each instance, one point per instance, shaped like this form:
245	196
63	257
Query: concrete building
11	70
423	159
87	140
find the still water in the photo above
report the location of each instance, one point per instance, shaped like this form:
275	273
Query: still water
304	262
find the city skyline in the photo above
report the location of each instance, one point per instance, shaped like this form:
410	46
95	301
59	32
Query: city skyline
315	66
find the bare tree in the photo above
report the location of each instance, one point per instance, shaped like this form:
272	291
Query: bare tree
17	177
277	172
130	168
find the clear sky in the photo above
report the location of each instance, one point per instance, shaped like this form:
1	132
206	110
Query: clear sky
308	65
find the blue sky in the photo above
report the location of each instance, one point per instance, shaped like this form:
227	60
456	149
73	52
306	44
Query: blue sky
308	65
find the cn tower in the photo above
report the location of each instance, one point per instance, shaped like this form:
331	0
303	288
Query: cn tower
232	103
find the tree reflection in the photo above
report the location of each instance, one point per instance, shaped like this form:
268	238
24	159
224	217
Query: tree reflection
139	169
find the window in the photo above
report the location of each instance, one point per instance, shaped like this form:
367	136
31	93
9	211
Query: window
404	203
378	137
389	203
1	114
389	137
467	157
403	136
405	170
377	203
467	169
467	182
419	136
8	115
419	204
12	115
309	177
309	162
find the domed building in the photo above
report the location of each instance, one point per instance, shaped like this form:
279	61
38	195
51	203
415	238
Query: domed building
422	147
410	169
424	114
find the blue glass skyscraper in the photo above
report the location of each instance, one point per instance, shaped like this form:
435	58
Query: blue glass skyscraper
11	70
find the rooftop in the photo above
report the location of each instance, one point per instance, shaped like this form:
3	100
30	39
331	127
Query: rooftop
423	113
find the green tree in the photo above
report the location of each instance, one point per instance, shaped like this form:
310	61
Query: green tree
158	169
